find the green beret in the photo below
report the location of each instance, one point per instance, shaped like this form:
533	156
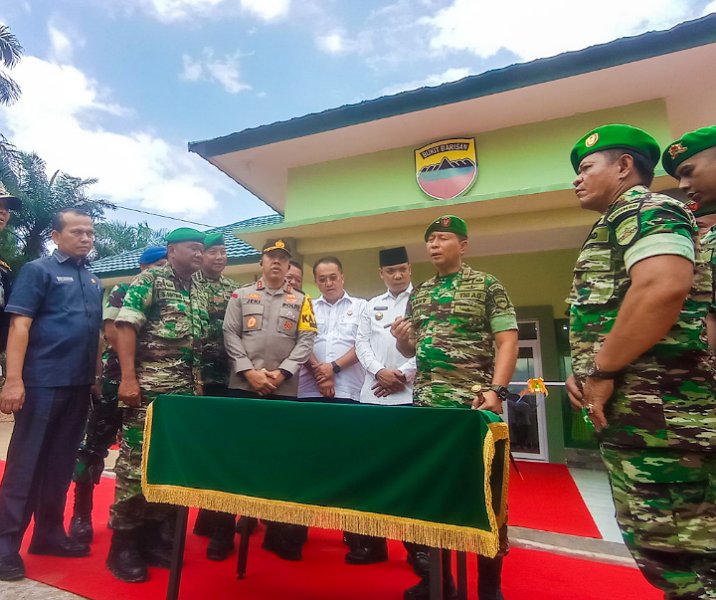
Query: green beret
616	135
214	239
185	234
690	143
449	223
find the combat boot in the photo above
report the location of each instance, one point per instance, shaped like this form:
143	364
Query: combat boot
125	561
157	540
489	578
222	540
81	523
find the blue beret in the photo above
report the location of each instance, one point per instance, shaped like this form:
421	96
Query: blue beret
152	254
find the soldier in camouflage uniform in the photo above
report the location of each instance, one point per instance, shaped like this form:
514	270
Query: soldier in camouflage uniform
160	329
453	323
642	371
215	375
692	160
105	416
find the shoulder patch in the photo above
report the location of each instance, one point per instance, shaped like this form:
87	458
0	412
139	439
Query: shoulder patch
627	209
626	230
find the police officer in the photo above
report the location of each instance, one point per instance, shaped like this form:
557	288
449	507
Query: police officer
52	361
642	370
215	375
269	330
692	160
8	202
105	416
160	328
454	321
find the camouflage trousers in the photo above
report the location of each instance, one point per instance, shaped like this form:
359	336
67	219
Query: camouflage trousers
105	418
131	510
666	509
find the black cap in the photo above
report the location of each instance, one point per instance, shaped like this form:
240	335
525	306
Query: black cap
393	256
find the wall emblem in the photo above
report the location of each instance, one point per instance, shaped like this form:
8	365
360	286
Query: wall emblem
446	169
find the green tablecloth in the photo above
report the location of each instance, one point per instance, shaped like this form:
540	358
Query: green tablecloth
427	475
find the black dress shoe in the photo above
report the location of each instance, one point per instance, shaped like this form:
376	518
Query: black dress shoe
67	548
367	556
11	567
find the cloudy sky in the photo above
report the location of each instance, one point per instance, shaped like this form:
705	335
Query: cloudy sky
115	90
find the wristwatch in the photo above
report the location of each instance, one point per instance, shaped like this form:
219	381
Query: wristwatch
594	371
502	392
336	366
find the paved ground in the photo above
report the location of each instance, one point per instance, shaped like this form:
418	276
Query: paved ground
593	485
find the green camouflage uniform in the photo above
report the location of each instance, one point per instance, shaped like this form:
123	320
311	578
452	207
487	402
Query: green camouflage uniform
105	416
171	323
455	319
660	445
708	247
215	362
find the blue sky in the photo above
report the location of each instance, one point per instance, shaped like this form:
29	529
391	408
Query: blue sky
115	90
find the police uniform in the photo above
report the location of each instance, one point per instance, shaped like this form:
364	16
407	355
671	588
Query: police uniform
455	318
270	329
660	445
171	318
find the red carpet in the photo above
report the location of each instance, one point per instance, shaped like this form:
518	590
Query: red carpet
548	499
323	575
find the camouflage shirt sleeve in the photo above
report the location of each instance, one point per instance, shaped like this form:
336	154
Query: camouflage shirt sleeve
113	302
137	301
499	309
654	226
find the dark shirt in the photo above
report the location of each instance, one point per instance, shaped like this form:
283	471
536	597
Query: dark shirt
64	299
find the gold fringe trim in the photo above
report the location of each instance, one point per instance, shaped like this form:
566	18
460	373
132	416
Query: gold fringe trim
439	535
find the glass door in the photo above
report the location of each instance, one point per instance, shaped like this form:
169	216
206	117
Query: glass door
526	417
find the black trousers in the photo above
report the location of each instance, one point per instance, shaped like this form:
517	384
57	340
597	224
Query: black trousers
40	460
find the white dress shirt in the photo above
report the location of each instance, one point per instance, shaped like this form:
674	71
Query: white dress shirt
337	329
376	348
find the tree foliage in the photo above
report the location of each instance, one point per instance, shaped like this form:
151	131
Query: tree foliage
25	174
10	54
115	237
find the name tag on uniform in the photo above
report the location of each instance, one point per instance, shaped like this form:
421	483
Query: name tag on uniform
380	308
61	279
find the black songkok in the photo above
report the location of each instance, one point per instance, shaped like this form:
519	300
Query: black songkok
393	256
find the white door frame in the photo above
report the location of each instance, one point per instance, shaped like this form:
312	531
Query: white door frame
535	346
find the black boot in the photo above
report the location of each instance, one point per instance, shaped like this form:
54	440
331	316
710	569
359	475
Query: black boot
81	523
419	559
204	524
125	561
421	591
157	541
222	540
367	550
489	578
